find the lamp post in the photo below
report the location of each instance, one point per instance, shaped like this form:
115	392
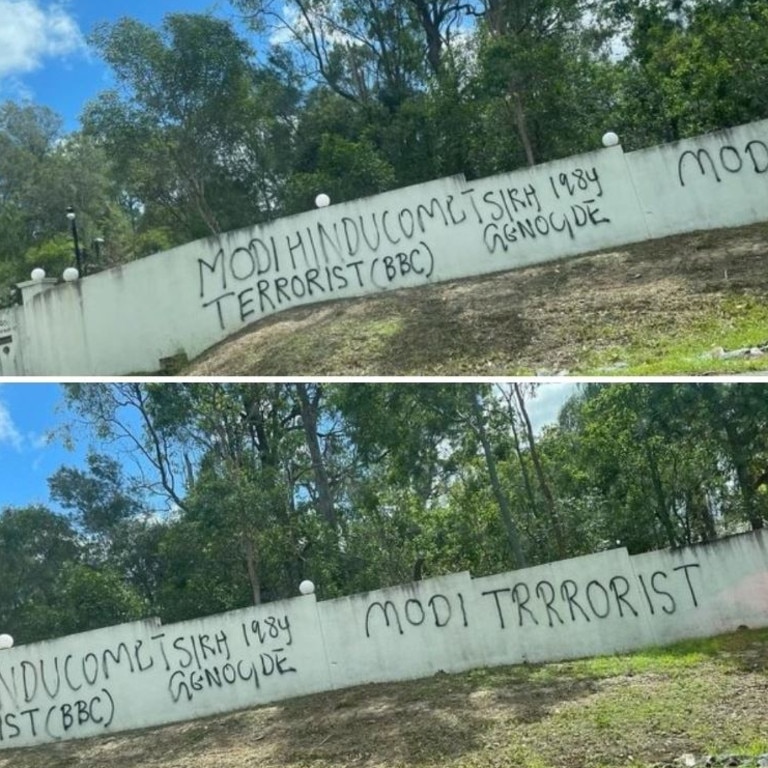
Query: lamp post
97	243
78	255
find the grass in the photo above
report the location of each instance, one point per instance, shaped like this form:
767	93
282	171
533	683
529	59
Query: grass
732	322
655	308
643	709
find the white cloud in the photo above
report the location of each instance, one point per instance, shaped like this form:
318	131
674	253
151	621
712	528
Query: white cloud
32	32
9	434
545	407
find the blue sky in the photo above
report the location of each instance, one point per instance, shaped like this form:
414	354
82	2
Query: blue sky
44	57
30	412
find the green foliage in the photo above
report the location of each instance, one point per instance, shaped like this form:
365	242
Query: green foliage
53	255
692	70
91	598
35	546
362	96
359	486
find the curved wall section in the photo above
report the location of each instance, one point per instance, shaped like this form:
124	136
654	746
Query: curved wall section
145	674
127	320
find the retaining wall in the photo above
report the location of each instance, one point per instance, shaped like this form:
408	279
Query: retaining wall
145	674
130	318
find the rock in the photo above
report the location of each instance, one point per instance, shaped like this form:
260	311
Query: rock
687	760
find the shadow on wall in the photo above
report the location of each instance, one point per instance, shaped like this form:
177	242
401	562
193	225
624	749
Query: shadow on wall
444	230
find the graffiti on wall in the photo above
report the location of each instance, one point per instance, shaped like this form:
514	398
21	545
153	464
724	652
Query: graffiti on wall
555	604
728	159
144	674
546	603
54	696
389	247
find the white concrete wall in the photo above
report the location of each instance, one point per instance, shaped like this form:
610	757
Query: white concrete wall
717	180
126	320
10	362
142	674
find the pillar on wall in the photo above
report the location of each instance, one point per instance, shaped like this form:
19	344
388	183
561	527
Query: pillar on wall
31	288
10	358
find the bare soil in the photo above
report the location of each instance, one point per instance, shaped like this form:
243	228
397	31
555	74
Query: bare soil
627	711
574	316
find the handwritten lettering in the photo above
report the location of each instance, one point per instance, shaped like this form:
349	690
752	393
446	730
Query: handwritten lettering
388	248
727	159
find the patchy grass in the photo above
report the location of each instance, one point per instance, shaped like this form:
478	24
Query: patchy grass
641	709
731	322
657	308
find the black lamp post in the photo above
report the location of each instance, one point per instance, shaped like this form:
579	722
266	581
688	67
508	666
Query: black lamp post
78	254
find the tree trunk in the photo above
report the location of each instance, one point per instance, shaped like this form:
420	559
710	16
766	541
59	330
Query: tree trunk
309	407
252	566
501	498
540	474
662	507
521	124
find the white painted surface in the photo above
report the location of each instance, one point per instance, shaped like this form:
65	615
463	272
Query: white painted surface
128	319
563	610
717	180
141	674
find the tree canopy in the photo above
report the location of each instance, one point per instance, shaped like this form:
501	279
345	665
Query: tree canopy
212	126
198	498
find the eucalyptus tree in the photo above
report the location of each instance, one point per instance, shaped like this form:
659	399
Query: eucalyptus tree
198	132
42	172
689	67
256	475
668	464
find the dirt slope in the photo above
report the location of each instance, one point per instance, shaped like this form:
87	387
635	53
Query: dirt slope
641	710
600	313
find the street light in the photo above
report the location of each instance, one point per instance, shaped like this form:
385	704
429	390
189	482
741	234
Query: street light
78	255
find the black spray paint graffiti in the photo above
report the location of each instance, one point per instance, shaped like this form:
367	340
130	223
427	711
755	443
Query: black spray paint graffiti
56	694
61	675
546	603
325	258
437	611
192	673
58	719
518	215
387	248
566	602
318	283
727	160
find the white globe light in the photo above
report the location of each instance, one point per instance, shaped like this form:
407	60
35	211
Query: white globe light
306	587
38	274
70	274
610	139
322	200
6	641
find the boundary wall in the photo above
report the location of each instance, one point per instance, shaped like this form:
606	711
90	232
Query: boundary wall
145	674
129	319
